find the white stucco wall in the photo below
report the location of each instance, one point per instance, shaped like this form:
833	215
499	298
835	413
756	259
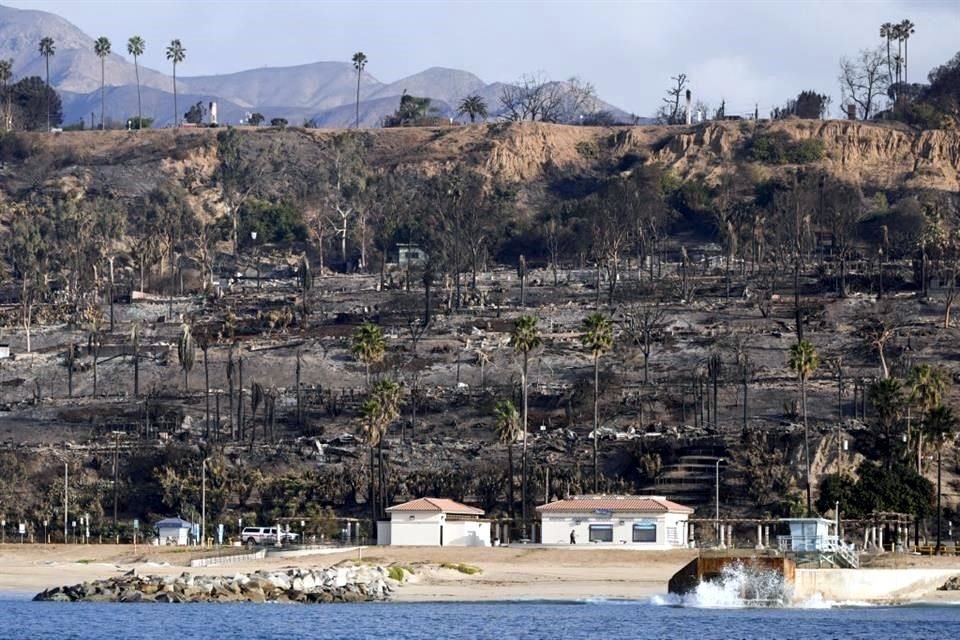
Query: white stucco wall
466	533
671	528
422	529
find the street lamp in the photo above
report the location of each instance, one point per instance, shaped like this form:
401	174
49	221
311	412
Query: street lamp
717	486
203	502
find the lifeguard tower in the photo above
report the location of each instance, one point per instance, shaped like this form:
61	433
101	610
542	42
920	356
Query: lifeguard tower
817	539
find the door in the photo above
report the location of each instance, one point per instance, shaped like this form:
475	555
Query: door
441	535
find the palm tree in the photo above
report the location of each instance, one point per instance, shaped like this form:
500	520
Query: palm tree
907	29
377	412
185	353
359	63
6	73
175	54
368	345
102	48
508	430
886	31
135	47
473	106
887	399
927	386
47	49
803	361
524	339
597	336
897	59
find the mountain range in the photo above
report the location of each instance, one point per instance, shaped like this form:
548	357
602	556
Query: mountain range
324	92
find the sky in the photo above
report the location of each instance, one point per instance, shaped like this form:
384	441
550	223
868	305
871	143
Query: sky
743	52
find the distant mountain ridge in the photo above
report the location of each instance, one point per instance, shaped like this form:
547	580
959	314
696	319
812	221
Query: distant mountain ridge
323	92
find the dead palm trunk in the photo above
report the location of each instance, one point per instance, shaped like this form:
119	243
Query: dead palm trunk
806	439
596	421
523	451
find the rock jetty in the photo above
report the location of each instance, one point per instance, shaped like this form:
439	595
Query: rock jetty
353	583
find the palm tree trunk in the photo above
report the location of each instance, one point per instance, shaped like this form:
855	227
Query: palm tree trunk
373	499
596	421
358	99
136	69
523	451
806	439
47	58
103	62
176	119
510	475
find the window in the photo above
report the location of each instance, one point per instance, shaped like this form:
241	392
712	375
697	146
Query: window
601	533
645	532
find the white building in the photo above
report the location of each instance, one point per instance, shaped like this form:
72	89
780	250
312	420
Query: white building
432	522
174	531
645	522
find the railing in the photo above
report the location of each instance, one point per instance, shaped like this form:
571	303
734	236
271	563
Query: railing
831	548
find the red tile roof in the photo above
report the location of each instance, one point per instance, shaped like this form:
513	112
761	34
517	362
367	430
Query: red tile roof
633	504
444	505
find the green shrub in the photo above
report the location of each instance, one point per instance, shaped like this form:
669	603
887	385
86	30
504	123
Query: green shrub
272	221
396	573
468	569
779	148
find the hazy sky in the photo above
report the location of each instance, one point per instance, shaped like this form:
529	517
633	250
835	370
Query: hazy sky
742	51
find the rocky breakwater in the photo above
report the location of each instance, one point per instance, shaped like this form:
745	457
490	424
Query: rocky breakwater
352	583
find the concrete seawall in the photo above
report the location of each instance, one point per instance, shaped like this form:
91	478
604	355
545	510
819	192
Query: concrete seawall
870	585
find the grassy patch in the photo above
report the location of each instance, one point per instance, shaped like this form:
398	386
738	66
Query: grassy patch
84	561
398	573
468	569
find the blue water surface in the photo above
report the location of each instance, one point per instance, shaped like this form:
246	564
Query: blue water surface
23	619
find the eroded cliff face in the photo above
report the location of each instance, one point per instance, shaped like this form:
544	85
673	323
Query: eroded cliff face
873	156
128	164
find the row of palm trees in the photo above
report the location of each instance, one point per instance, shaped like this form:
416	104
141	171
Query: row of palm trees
382	406
927	387
899	32
102	47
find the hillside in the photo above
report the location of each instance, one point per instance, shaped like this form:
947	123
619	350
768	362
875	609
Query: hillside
869	156
723	316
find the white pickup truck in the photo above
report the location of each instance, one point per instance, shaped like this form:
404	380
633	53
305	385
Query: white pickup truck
253	536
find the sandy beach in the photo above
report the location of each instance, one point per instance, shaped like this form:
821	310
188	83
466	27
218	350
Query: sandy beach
505	573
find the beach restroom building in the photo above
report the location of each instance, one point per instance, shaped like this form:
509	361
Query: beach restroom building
647	522
434	522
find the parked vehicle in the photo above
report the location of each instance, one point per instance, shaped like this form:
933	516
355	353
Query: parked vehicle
252	536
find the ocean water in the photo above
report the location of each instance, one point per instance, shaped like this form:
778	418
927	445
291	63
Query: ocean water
527	620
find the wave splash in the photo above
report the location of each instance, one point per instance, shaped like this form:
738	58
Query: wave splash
738	586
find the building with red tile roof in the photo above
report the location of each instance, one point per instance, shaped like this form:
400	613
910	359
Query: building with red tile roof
649	522
431	522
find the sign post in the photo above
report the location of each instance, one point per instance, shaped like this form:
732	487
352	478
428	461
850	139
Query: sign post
136	527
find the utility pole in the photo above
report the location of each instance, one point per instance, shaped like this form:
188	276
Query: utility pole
717	484
203	503
65	502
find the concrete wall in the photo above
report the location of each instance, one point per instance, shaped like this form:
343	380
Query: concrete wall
671	528
422	529
844	585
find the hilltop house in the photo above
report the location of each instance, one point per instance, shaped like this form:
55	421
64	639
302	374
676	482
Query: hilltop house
432	522
648	522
